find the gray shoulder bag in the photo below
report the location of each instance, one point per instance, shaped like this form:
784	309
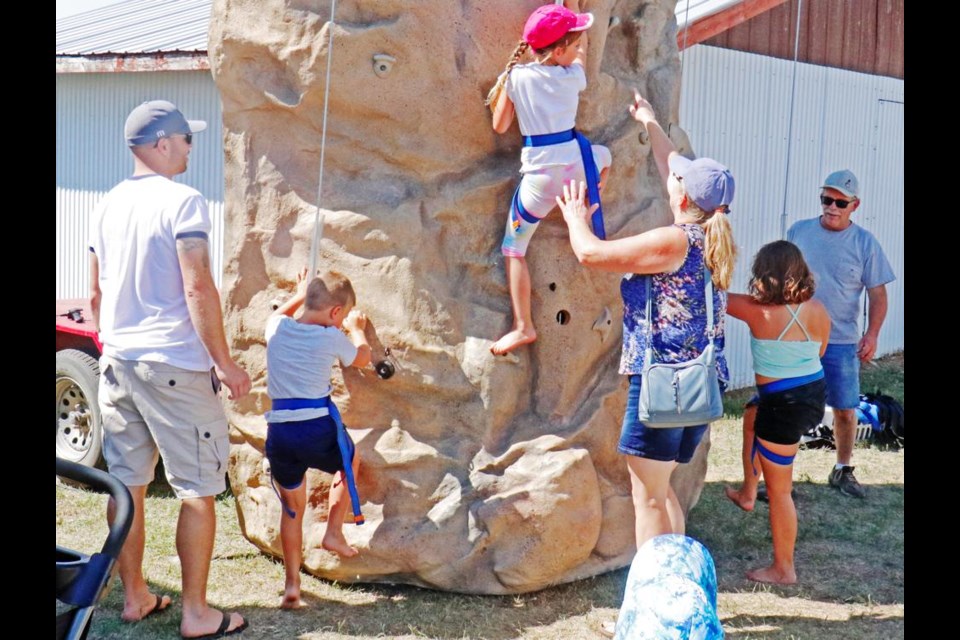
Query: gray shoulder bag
683	394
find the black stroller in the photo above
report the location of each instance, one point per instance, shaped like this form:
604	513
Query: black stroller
82	579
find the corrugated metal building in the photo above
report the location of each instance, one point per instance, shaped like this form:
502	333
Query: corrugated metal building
108	61
780	126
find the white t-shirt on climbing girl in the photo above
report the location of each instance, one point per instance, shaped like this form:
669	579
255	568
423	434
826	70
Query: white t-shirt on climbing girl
546	98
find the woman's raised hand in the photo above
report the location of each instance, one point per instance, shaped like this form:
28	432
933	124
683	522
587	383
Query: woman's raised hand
574	202
641	109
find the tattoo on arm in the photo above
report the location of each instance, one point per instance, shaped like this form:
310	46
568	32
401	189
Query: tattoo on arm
198	247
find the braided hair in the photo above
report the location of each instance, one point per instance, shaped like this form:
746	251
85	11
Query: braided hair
518	52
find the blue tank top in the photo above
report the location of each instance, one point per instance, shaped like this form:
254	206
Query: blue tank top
786	358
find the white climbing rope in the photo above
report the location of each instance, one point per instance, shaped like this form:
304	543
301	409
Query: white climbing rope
793	101
318	217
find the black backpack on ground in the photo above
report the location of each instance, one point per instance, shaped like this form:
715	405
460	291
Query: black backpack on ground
879	420
888	430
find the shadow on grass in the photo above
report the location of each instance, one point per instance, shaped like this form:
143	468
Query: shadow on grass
854	628
848	551
387	611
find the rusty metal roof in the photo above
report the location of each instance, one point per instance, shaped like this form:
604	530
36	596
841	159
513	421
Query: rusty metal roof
136	27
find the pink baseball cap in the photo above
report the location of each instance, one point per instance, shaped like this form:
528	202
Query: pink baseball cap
551	22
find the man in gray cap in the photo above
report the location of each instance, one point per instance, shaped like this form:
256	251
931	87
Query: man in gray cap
845	259
165	354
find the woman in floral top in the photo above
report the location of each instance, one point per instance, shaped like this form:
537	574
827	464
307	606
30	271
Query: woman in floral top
699	193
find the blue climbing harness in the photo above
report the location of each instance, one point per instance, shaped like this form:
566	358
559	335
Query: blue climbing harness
775	458
286	404
773	387
589	170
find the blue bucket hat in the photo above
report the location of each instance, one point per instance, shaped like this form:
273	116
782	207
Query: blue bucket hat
708	183
157	119
843	181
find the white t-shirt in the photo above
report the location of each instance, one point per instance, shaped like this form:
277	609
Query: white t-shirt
300	358
143	311
546	98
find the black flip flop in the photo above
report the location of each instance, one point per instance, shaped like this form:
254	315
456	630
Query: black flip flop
221	631
156	608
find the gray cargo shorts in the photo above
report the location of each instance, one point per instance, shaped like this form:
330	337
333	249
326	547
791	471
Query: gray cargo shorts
151	410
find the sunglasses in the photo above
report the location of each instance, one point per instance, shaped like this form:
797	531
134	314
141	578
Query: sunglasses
188	137
827	201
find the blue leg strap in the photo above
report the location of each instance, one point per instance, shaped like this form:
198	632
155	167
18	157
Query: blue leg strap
343	442
593	183
775	458
521	211
283	505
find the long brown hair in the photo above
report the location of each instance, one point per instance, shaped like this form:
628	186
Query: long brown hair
781	275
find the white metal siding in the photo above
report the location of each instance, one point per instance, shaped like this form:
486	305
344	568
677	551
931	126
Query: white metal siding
92	155
136	26
736	106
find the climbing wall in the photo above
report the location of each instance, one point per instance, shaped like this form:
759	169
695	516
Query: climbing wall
479	474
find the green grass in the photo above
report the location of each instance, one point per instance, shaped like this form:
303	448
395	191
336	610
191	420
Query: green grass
849	562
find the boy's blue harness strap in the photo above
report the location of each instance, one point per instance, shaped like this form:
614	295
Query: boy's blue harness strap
589	170
325	402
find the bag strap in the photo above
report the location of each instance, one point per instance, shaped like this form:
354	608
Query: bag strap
648	328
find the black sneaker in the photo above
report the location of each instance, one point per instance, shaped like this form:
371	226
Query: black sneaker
844	480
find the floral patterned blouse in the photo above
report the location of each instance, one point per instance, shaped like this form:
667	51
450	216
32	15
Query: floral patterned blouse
679	313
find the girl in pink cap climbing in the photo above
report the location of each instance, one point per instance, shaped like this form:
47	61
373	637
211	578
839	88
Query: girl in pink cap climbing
544	95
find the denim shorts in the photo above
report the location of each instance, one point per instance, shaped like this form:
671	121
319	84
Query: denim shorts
294	447
841	368
637	439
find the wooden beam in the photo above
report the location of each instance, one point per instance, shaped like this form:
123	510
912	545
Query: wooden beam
720	22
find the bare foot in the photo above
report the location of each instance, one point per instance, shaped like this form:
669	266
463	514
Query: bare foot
513	340
338	544
773	575
291	600
137	611
738	498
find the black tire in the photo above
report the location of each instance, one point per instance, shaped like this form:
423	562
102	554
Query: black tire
79	432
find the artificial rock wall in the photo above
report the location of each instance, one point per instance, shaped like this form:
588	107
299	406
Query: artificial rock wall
479	474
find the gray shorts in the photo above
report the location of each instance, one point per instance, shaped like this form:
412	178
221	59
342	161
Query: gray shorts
151	409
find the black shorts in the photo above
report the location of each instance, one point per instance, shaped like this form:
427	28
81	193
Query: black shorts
784	416
293	447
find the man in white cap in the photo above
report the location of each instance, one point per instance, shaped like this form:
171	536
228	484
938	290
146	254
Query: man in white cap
845	259
165	354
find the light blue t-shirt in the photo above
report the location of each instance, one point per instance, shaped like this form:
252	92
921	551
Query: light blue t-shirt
300	358
844	263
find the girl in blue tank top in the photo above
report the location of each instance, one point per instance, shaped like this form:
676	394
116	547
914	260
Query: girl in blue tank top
788	334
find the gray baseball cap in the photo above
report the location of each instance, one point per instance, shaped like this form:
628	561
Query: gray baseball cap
843	181
708	183
157	119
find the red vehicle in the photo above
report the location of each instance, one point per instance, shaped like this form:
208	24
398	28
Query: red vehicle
78	377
